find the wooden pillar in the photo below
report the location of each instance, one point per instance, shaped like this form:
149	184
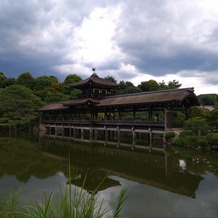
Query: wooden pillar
150	114
150	139
105	134
91	134
133	137
95	134
168	119
166	163
70	132
74	132
56	131
118	136
82	133
62	131
49	130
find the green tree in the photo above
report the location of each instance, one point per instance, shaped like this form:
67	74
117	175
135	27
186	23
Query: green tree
25	79
197	125
44	84
18	105
208	99
56	97
71	79
110	78
2	79
127	88
213	117
199	112
150	85
173	84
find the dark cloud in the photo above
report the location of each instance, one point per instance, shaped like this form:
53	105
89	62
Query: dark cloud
154	37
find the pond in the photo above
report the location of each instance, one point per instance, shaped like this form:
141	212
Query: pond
174	183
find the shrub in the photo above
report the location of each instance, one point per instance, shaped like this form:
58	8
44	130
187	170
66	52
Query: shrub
180	142
212	139
197	125
170	135
202	142
185	134
189	141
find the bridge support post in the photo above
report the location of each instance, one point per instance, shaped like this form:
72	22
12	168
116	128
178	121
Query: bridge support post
62	131
150	139
105	135
118	136
133	137
56	131
82	133
70	133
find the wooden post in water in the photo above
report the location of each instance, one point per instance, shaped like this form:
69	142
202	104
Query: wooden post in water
49	130
74	132
106	135
70	132
91	134
118	136
133	137
150	138
62	131
95	134
56	131
82	133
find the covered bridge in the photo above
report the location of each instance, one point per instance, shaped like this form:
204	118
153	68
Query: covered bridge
97	110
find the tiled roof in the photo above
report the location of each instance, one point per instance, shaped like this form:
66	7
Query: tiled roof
186	96
176	95
94	79
53	106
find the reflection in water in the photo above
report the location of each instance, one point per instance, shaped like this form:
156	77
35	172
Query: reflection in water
159	185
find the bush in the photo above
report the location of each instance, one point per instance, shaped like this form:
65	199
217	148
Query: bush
180	142
202	142
189	141
170	135
185	134
212	139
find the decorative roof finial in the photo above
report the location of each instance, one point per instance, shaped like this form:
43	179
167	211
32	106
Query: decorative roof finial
94	74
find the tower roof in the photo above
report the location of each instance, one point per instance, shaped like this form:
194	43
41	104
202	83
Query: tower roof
94	80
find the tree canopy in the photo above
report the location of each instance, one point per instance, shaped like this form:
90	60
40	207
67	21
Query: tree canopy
18	105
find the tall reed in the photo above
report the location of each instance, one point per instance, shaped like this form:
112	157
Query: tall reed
77	204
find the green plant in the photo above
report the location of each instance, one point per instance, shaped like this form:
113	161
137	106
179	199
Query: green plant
10	205
189	141
212	139
185	134
170	135
70	204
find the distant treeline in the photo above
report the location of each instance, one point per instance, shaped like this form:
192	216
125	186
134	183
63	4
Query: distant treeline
50	89
208	99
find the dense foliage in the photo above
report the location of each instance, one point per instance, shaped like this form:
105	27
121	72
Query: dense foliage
208	99
17	105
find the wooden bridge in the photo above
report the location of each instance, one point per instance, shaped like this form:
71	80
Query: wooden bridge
98	116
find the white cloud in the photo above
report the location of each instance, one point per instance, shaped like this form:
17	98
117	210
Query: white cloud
130	40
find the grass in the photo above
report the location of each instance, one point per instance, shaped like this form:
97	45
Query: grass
80	206
70	204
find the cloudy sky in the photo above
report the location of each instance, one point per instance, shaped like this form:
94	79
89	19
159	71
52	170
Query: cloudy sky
130	40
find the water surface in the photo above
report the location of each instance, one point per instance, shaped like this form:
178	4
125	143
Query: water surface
175	183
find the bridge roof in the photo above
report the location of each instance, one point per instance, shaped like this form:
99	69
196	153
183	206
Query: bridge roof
175	96
186	96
